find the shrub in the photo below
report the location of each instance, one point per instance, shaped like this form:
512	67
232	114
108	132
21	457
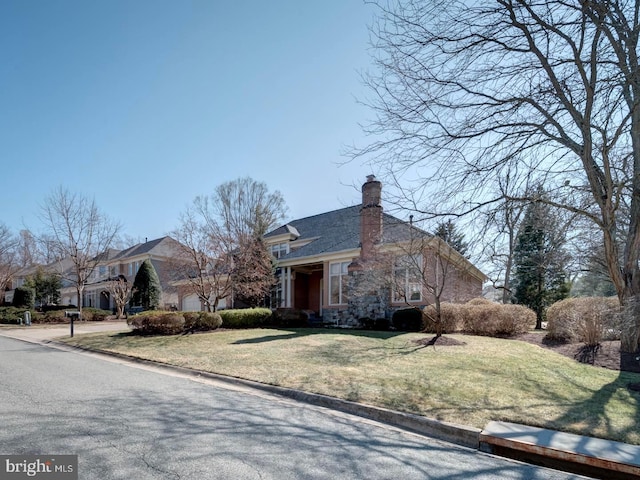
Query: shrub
515	320
484	317
49	308
377	324
246	317
450	315
24	297
584	319
155	322
201	321
53	316
290	318
12	315
408	320
94	314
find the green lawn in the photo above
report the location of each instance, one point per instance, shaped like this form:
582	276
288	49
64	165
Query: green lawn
486	379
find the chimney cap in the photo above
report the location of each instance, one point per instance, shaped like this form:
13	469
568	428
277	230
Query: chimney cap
371	178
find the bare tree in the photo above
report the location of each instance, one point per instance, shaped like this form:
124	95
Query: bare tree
77	230
121	292
466	90
9	257
202	259
27	248
245	209
425	270
220	235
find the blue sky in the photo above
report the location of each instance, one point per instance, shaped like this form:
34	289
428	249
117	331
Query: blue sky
144	104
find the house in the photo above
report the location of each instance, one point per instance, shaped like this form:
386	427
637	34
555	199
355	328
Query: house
350	264
108	265
114	263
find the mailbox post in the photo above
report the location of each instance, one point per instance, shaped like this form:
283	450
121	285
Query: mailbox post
72	315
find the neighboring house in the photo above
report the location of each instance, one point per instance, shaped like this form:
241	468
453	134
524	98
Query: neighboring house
125	262
19	278
342	265
111	264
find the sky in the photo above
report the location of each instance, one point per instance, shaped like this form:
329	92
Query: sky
144	104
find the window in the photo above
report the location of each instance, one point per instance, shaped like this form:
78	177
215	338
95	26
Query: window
279	250
338	283
102	270
408	279
90	299
133	268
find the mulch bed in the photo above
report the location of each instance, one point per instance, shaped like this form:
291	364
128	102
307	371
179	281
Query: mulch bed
606	355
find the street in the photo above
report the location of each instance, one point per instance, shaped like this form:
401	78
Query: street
126	422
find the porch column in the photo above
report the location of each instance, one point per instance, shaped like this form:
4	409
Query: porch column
283	285
288	288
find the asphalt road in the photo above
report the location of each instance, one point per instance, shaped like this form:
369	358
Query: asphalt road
131	423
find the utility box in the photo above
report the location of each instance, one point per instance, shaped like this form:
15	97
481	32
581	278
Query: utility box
27	318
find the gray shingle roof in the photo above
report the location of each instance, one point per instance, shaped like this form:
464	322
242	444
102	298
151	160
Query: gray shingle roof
339	230
140	248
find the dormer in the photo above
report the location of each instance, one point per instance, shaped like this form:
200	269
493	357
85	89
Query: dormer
279	241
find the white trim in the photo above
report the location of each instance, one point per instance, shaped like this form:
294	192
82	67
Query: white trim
344	256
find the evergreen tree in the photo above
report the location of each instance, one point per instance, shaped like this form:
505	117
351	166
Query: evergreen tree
46	287
449	233
23	297
539	259
146	287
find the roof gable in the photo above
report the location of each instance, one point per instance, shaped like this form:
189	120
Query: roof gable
159	246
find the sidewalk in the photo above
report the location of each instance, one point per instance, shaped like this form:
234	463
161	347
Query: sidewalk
44	333
588	456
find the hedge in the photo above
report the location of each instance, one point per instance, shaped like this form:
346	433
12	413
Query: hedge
201	321
158	322
246	318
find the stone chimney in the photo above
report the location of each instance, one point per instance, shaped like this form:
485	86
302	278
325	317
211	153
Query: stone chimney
370	217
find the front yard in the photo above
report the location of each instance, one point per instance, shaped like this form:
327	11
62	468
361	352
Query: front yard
481	380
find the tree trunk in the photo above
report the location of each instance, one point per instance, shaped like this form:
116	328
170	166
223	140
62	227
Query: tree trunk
438	317
630	321
79	291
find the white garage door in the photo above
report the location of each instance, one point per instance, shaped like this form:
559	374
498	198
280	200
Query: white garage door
191	303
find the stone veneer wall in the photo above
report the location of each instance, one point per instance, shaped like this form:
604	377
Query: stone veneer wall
368	298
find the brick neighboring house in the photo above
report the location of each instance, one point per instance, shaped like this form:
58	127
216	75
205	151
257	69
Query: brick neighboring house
339	264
